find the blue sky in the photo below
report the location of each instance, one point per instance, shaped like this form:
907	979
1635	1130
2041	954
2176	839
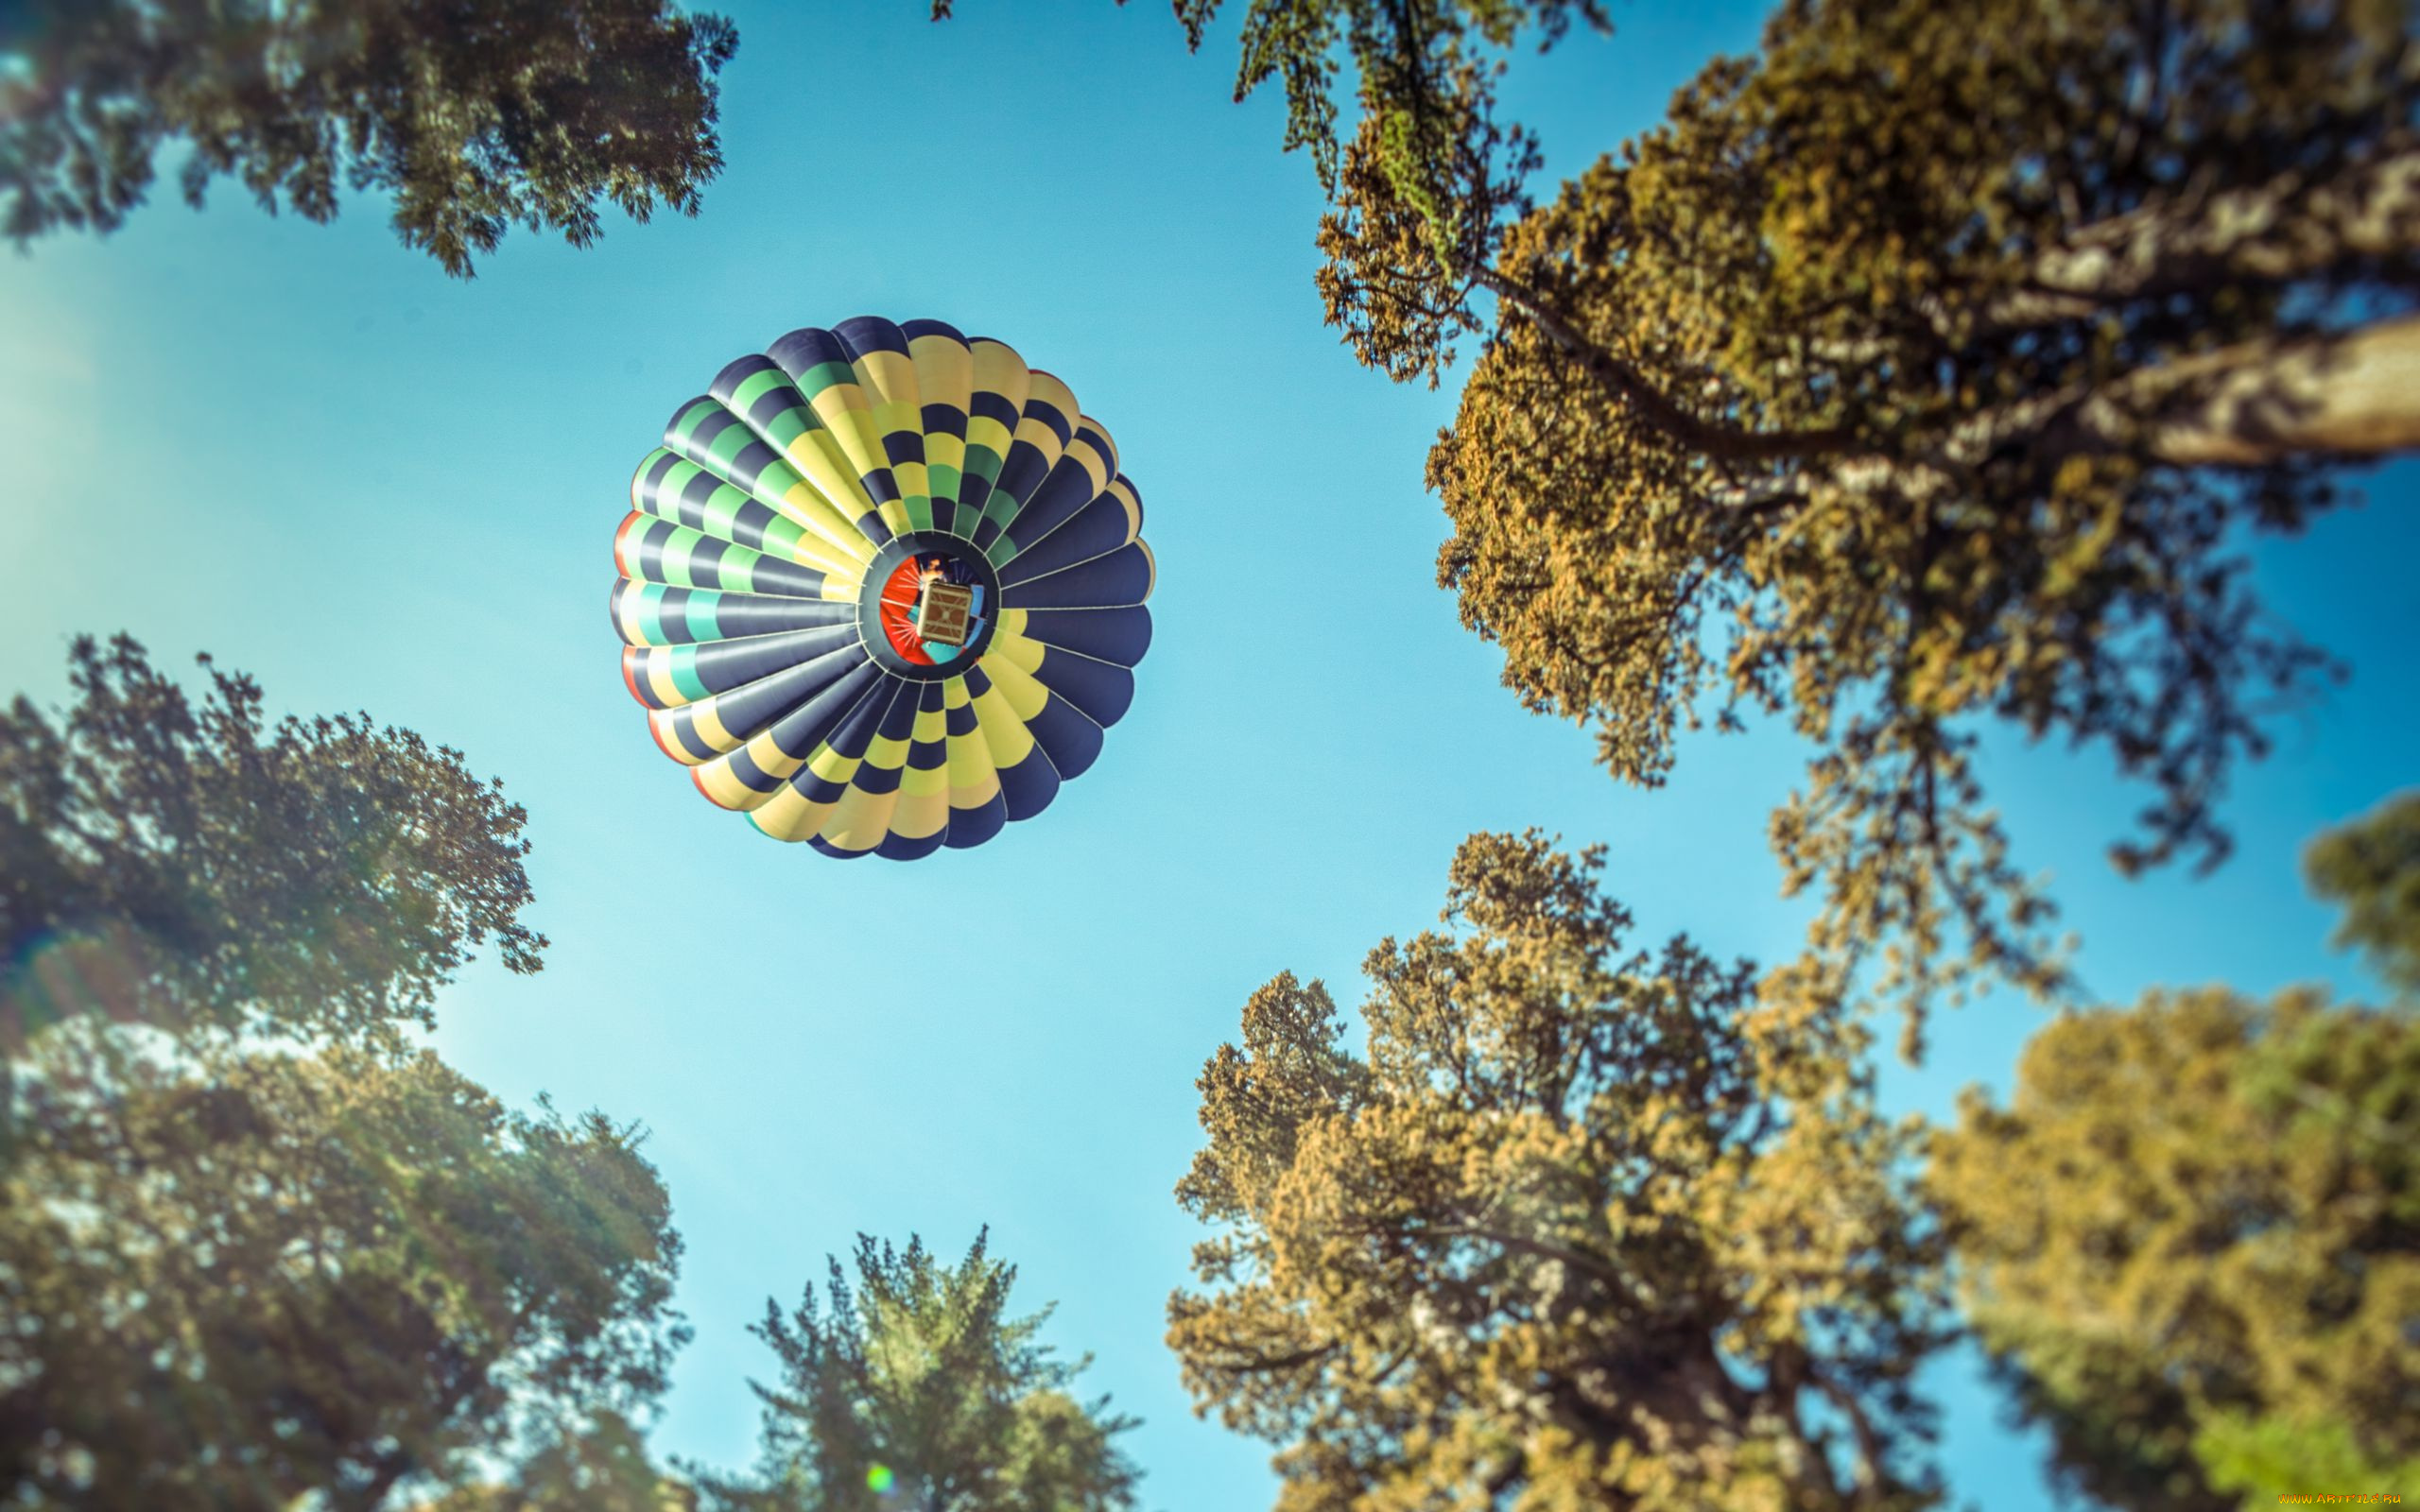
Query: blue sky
307	451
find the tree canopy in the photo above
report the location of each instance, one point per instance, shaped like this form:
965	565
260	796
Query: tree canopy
350	1274
2192	1243
473	117
197	867
1586	1226
599	1464
274	1251
2371	867
915	1386
1922	375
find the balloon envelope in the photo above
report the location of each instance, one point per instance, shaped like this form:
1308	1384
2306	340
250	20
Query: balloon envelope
882	588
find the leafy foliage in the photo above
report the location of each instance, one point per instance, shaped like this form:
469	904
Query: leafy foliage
914	1383
198	869
236	1285
273	1254
1921	375
1588	1226
1429	139
474	116
2192	1242
2372	866
598	1465
1424	69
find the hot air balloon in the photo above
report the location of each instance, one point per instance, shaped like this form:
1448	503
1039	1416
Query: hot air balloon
882	588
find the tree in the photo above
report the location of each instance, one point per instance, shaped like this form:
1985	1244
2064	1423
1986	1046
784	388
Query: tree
599	1466
2192	1241
473	117
914	1386
202	870
350	1274
252	1246
1587	1226
2372	866
2192	1244
1921	375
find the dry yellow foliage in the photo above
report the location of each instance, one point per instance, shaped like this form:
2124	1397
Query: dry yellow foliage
2192	1239
1587	1226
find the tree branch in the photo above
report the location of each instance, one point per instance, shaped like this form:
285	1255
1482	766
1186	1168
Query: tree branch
1258	1364
2274	233
1602	1270
2340	397
1724	442
1869	1447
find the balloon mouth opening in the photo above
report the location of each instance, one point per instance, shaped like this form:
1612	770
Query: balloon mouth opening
929	605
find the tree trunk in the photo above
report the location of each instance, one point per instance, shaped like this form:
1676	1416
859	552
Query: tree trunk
2346	398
